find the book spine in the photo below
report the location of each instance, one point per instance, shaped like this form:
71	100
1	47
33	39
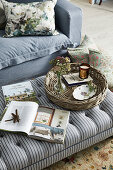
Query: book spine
73	84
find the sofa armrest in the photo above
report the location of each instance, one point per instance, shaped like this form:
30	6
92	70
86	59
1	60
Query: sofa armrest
69	20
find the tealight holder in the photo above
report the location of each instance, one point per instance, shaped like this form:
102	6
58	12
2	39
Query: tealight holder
84	70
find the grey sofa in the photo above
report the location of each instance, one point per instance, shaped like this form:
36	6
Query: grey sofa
25	57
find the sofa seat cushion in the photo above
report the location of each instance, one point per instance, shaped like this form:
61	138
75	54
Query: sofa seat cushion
17	50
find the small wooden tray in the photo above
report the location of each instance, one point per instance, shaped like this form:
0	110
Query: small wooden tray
66	99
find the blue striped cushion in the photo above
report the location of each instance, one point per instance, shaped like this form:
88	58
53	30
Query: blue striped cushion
85	128
107	104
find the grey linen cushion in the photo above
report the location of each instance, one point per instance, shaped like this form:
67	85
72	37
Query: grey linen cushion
17	50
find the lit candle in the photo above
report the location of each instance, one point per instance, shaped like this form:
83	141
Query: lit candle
84	70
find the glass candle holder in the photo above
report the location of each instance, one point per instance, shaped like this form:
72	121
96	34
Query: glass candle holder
84	70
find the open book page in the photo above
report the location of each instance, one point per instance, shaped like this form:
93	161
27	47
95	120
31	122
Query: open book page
26	111
50	125
61	118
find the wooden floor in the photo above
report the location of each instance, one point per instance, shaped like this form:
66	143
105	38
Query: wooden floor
98	22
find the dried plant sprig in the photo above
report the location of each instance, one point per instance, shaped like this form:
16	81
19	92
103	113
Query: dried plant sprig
15	117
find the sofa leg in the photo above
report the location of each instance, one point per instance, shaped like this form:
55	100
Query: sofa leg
100	2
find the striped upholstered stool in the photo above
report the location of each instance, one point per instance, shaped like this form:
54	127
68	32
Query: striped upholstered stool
85	129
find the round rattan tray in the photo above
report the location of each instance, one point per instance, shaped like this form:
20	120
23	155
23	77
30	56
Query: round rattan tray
66	99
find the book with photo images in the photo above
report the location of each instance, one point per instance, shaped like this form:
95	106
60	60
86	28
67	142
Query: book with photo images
19	92
38	122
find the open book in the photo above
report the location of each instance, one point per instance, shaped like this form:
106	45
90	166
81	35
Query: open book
37	122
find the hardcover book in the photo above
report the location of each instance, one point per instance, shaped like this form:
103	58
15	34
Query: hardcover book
73	79
19	92
36	121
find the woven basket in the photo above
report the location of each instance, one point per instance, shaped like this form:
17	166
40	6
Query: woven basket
66	99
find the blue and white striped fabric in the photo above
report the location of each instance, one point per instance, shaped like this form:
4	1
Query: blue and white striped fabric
85	129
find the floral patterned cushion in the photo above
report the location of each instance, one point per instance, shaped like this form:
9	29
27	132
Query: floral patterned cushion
37	18
104	63
2	17
78	55
81	53
87	43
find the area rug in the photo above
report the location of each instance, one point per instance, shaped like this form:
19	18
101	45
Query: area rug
97	22
96	157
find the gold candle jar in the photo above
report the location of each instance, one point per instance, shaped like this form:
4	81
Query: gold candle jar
84	70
